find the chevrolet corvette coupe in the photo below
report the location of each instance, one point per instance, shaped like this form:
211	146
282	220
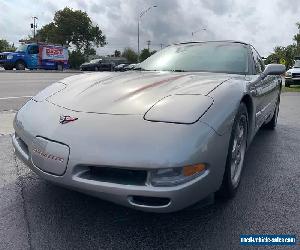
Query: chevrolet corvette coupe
160	138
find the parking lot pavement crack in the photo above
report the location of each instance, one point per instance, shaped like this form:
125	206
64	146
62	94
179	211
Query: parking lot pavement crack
20	184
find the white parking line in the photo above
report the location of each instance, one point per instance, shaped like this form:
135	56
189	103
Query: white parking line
6	123
15	97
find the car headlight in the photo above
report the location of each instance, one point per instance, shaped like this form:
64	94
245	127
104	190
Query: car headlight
174	176
184	109
9	57
288	74
49	91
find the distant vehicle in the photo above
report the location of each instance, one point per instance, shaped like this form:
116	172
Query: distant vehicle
97	65
130	67
36	56
292	76
120	67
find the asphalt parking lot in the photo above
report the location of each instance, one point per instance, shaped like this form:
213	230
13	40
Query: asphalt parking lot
35	214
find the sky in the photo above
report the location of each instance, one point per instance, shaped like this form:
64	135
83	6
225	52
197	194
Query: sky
263	23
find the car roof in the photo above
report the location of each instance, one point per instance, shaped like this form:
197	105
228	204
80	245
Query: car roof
217	41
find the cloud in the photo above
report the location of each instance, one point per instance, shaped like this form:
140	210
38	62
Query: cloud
265	24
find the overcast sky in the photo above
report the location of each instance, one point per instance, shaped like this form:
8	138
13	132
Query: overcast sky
264	23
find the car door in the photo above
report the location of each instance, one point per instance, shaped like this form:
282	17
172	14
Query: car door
264	90
33	51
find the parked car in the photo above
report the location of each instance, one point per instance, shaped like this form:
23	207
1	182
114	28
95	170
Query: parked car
129	67
97	65
120	67
157	139
292	76
36	56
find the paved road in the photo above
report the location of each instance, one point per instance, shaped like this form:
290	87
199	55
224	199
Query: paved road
35	214
22	85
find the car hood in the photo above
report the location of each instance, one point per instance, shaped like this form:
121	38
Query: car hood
294	70
8	53
131	92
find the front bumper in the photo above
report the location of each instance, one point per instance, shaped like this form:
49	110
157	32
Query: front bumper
292	80
125	142
5	63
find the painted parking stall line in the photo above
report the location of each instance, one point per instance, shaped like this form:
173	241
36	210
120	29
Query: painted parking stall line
6	123
15	97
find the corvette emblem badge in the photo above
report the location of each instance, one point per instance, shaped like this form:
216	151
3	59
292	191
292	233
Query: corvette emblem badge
63	119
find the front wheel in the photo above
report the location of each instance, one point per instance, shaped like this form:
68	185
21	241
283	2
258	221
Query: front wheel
8	68
20	65
236	153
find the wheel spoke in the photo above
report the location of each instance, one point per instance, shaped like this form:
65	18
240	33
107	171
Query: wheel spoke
238	150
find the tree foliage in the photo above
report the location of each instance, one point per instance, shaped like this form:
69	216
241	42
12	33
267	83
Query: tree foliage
76	58
287	53
72	27
117	53
144	54
130	55
5	46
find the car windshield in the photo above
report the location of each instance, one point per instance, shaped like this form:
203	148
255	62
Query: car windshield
22	48
297	64
225	57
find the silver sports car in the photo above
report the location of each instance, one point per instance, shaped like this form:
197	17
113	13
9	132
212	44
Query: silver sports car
159	138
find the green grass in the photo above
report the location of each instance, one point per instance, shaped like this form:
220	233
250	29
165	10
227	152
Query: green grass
293	88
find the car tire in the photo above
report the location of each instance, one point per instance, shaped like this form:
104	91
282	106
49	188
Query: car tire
236	154
59	67
20	65
272	124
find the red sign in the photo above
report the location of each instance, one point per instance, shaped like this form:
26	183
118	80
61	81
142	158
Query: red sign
54	51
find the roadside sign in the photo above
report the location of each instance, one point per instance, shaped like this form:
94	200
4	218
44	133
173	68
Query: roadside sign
282	61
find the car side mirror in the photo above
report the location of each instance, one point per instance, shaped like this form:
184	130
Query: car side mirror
274	69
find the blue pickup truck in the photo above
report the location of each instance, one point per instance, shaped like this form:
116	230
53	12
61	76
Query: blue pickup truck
36	56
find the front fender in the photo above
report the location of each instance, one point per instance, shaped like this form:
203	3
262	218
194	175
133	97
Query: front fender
227	98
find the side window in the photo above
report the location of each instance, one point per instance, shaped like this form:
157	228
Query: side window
34	49
258	62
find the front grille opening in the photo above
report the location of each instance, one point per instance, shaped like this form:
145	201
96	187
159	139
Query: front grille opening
116	175
149	201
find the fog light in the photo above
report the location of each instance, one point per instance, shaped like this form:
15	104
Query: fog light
193	169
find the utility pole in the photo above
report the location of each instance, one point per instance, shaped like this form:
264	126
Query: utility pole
148	44
34	25
139	19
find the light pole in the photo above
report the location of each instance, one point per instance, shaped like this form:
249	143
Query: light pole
34	25
193	33
139	19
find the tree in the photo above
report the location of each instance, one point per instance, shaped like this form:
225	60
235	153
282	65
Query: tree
144	54
72	27
153	52
76	58
5	46
117	53
287	53
130	55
